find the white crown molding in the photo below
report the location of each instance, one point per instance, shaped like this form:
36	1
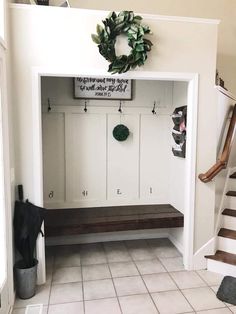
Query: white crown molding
103	14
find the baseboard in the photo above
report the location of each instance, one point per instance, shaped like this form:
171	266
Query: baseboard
176	243
199	260
13	302
108	236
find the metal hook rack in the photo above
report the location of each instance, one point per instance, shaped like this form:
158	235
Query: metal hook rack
85	106
154	108
120	109
49	105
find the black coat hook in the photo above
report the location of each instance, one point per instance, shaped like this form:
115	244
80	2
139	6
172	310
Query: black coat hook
49	105
85	106
154	108
120	110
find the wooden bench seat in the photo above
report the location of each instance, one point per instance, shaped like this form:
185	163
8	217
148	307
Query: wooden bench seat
72	221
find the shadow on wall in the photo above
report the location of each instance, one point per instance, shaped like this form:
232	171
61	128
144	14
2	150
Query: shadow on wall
225	61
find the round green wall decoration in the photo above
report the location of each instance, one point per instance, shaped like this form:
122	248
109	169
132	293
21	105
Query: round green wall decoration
120	132
128	24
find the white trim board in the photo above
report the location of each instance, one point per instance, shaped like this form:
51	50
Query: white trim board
109	236
101	13
199	260
7	177
176	243
191	78
225	92
221	268
115	236
226	244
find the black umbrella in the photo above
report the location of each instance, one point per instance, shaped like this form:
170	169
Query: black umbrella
28	219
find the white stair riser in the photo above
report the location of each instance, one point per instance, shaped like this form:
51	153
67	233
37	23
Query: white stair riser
221	268
232	184
227	245
231	202
229	222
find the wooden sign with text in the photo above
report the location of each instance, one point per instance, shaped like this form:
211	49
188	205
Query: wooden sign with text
102	88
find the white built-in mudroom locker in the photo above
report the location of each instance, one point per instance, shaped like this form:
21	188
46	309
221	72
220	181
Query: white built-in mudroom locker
85	166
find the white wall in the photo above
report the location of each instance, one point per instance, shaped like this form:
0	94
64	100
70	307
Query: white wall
218	9
178	168
7	290
60	92
178	165
68	46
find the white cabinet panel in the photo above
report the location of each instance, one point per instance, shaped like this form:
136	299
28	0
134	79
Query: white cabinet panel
123	159
85	157
155	152
53	157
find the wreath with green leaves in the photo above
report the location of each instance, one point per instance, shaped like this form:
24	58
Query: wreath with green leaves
128	24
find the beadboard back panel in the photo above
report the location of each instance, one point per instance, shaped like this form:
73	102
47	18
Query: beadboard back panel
85	166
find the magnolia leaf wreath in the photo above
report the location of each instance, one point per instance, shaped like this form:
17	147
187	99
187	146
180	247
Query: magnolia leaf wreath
120	132
128	24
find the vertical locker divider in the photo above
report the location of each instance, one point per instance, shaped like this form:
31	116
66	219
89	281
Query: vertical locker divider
65	159
106	183
66	125
139	157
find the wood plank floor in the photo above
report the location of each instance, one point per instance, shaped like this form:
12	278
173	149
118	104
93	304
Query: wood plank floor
60	222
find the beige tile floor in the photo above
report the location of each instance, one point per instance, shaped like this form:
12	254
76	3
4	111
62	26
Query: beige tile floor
126	277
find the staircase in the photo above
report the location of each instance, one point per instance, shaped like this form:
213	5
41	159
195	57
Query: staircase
224	260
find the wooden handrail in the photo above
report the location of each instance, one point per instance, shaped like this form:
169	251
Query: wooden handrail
224	158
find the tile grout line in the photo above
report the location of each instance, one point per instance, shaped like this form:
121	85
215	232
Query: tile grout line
53	265
82	283
55	284
193	288
210	286
122	276
104	298
112	278
171	278
142	278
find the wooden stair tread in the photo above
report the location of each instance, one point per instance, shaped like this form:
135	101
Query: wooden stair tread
233	176
229	212
231	193
227	233
223	257
108	219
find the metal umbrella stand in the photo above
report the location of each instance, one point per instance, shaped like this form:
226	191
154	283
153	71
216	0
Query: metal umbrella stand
28	220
